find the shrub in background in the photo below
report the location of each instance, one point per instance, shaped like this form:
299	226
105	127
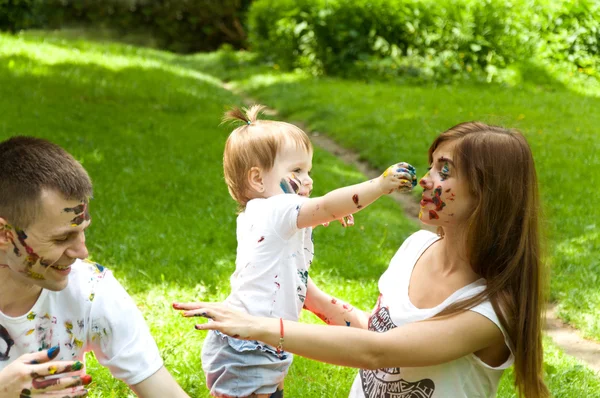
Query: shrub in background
176	25
441	40
18	14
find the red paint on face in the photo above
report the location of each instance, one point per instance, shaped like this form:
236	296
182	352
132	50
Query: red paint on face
433	215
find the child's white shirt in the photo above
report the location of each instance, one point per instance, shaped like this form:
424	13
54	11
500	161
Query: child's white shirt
273	258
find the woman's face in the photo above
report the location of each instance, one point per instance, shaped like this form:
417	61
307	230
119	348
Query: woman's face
446	199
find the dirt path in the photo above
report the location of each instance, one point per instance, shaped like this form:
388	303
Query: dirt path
563	335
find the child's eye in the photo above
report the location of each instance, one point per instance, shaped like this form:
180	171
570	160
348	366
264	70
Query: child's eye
297	170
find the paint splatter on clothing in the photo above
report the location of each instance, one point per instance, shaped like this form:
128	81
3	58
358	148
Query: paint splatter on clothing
93	313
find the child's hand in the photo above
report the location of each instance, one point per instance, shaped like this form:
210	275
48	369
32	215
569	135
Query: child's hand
401	176
347	221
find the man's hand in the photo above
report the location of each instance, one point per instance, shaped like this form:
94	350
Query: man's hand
37	375
401	176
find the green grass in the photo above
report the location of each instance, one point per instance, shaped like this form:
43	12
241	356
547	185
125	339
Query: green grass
145	125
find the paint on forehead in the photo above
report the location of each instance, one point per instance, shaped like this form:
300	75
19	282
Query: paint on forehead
81	211
76	210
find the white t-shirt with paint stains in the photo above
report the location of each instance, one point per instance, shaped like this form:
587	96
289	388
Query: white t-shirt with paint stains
273	257
93	313
464	377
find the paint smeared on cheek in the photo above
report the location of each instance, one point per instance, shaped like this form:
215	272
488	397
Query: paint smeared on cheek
11	237
437	199
290	184
32	257
433	215
356	201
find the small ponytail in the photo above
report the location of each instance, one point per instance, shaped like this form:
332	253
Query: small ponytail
246	115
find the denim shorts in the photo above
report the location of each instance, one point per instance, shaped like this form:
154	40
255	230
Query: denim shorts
239	368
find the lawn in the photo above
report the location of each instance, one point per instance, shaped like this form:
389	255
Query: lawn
145	124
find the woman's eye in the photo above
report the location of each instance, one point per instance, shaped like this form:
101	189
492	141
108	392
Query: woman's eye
61	240
297	170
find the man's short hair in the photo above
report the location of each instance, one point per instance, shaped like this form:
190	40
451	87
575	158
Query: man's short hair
29	165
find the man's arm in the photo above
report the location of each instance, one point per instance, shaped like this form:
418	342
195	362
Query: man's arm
161	384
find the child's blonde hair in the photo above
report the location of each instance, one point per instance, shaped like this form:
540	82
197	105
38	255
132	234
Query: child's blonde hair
255	144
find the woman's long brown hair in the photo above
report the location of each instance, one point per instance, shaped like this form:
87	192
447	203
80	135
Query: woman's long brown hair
503	239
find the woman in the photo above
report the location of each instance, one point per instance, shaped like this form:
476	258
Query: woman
456	308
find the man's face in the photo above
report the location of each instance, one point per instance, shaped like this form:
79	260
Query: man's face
43	253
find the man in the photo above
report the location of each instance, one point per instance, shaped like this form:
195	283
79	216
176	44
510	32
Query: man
54	304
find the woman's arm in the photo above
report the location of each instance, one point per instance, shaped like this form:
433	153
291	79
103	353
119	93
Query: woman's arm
333	311
348	200
425	343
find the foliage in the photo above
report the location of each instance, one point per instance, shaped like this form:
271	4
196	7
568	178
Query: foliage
176	25
427	39
18	14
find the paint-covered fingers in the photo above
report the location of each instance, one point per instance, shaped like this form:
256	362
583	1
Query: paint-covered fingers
401	176
55	368
74	392
22	378
40	356
55	384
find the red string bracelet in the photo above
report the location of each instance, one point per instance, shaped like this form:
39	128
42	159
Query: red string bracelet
280	345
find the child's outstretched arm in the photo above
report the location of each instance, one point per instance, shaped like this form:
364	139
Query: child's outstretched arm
333	311
348	200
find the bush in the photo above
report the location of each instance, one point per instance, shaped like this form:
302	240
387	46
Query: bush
18	14
177	25
442	40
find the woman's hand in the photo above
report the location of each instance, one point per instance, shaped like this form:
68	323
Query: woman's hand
36	375
231	322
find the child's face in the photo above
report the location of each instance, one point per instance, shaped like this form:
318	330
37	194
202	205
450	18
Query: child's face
290	172
446	200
